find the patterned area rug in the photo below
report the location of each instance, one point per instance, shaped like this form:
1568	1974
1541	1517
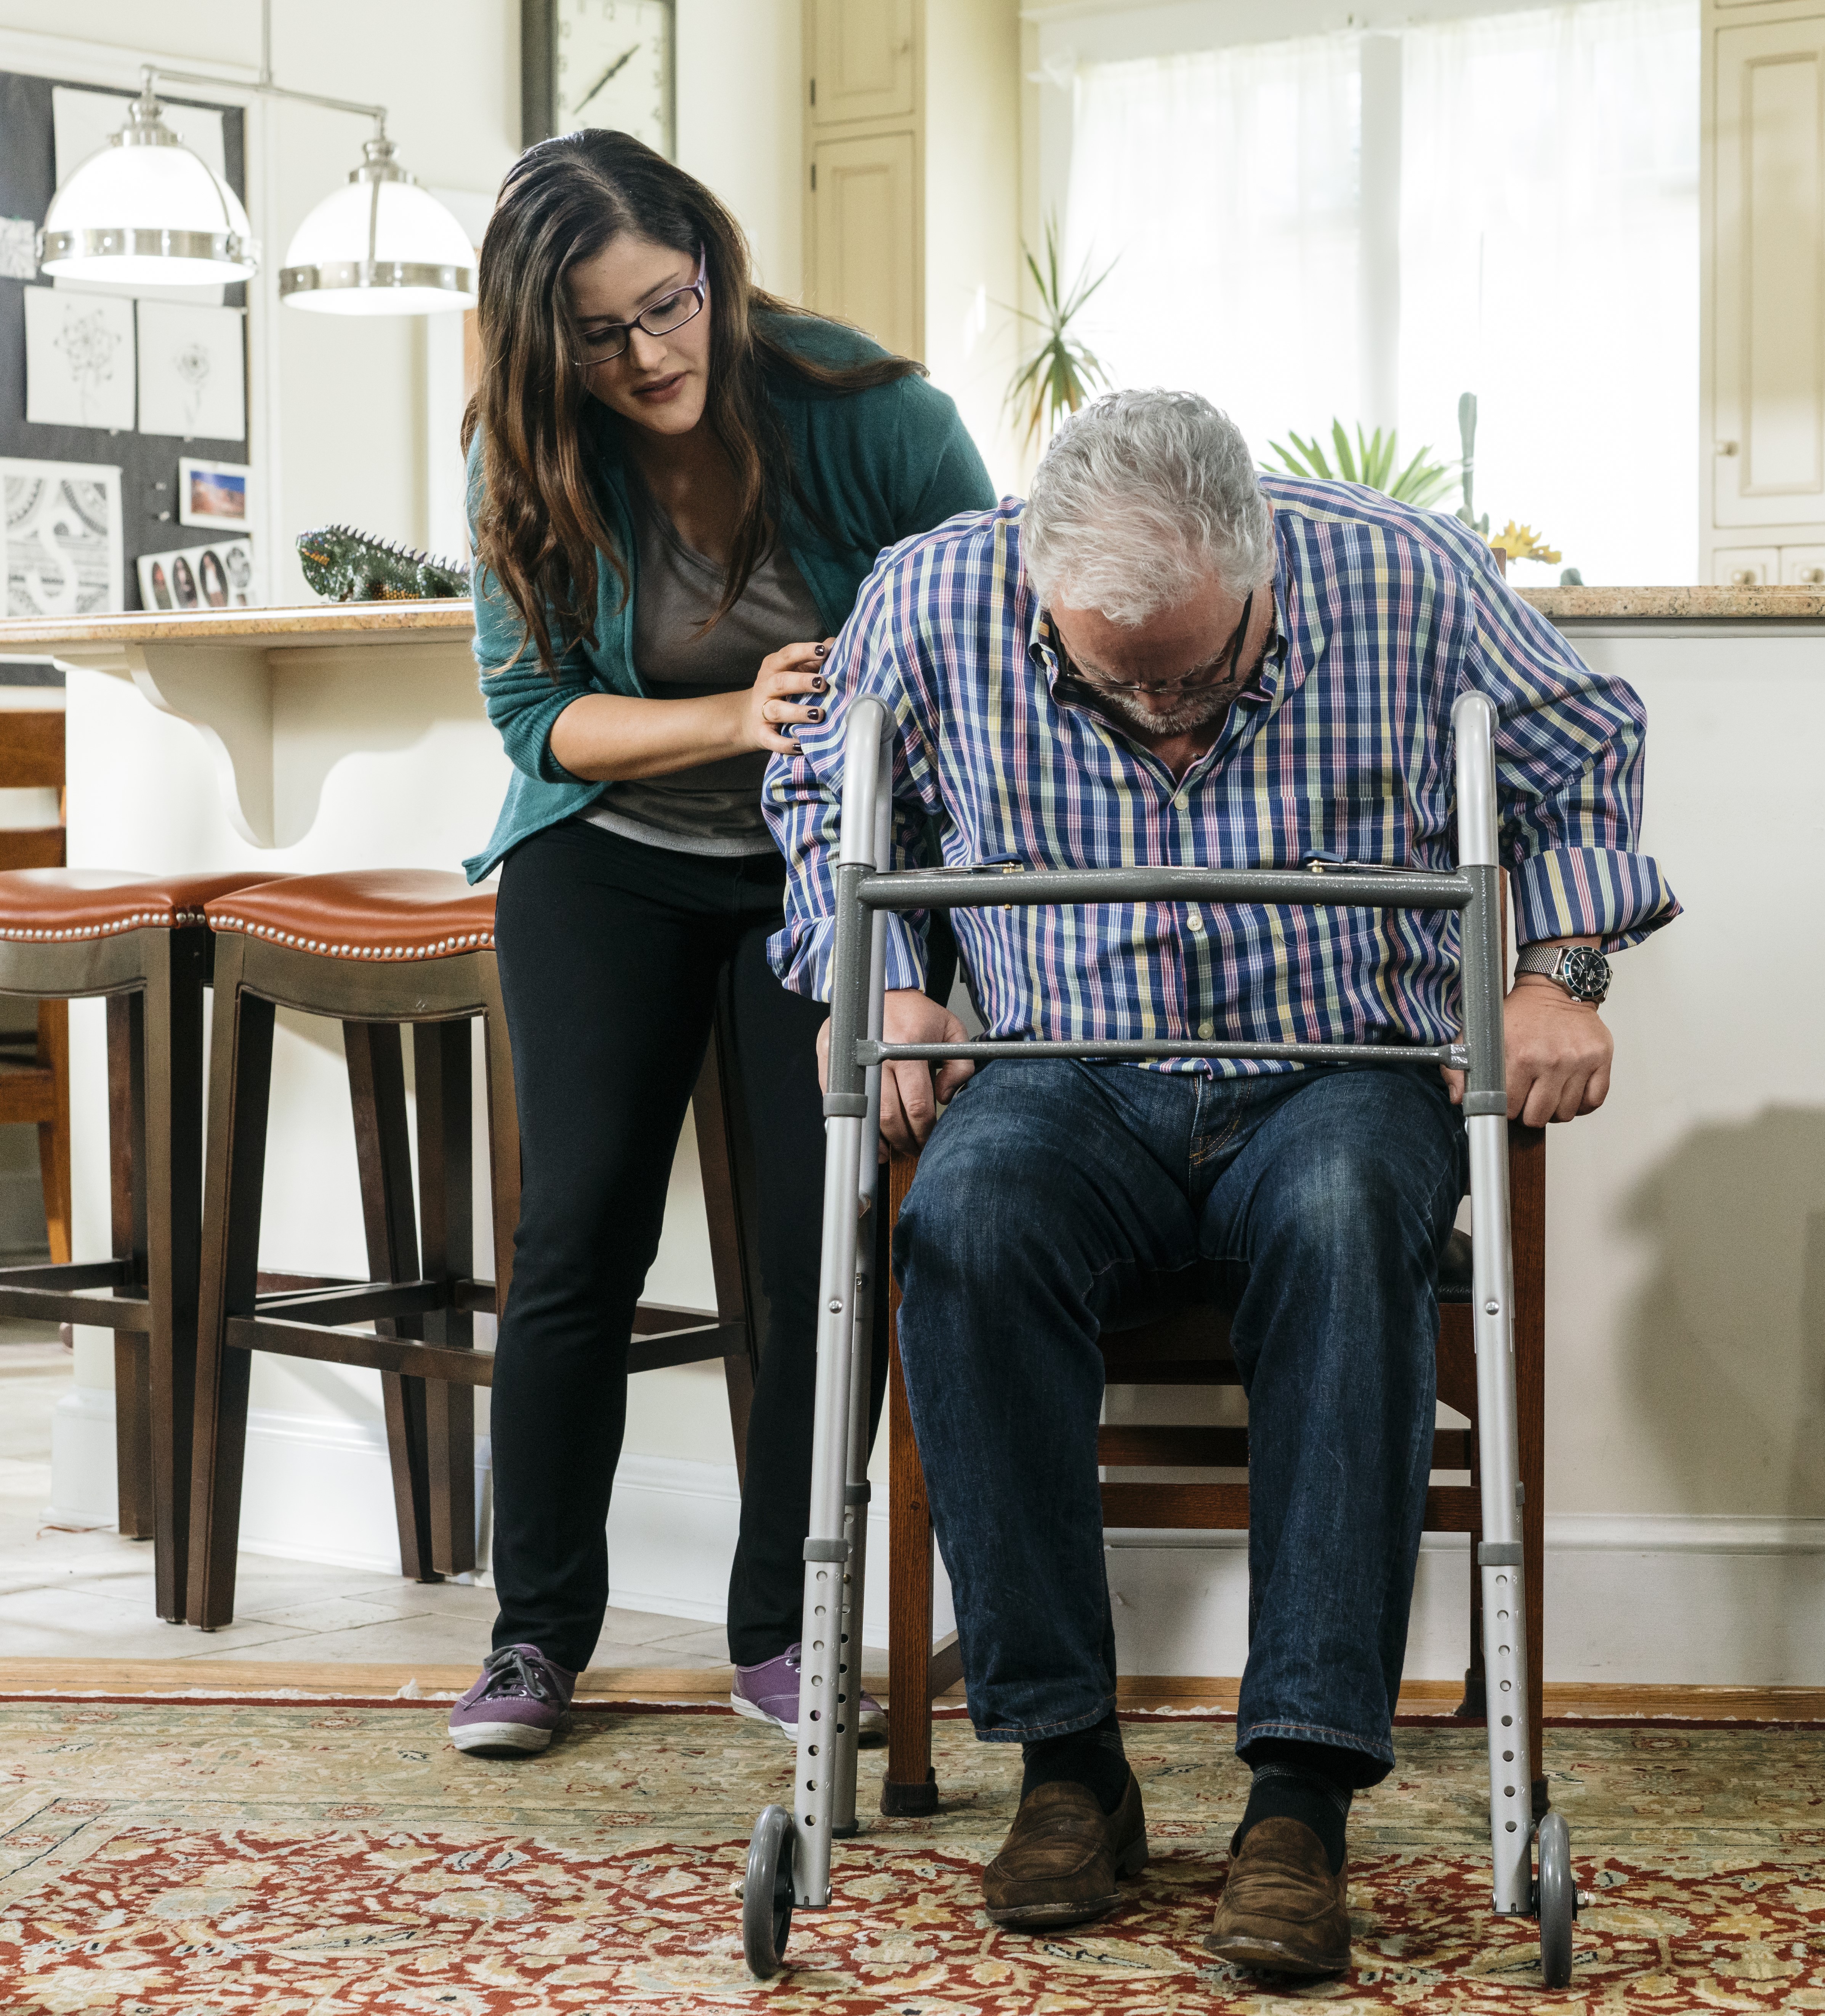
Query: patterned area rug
180	1860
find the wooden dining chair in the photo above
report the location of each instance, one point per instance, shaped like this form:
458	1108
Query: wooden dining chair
1190	1346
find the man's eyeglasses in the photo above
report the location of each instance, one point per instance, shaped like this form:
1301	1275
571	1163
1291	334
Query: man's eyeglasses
610	340
1222	667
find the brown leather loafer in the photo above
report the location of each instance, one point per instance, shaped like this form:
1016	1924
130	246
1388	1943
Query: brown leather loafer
1282	1909
1061	1856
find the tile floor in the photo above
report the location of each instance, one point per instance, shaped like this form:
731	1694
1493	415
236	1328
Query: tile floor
88	1595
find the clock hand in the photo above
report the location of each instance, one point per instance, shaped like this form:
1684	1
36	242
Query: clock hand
606	78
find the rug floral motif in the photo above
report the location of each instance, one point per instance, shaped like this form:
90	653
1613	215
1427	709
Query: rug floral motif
193	1859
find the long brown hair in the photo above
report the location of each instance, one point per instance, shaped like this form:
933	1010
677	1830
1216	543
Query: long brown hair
540	529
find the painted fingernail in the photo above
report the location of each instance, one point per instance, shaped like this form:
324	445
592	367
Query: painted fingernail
822	648
817	686
817	713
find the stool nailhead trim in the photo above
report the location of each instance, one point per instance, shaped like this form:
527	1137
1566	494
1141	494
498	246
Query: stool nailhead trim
137	921
440	949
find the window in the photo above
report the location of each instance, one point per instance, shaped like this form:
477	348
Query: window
1511	207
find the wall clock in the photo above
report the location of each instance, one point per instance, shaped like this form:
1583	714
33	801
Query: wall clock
598	62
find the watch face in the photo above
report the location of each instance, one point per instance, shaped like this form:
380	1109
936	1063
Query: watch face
612	66
1586	974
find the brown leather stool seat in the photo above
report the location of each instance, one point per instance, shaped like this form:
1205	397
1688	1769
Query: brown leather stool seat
140	942
384	913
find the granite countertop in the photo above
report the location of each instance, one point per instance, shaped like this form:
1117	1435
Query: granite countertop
1697	605
426	622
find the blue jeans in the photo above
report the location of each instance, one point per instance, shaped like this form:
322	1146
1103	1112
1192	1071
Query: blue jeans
1051	1191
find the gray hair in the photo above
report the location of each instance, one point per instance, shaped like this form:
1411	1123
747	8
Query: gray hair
1142	497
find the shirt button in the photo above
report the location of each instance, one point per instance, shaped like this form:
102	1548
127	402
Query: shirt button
1194	917
1207	1030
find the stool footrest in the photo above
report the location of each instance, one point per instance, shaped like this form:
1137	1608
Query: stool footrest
340	1347
685	1347
78	1292
363	1301
72	1274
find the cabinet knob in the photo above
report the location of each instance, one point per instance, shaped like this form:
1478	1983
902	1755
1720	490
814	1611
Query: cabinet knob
1745	578
1728	447
1813	577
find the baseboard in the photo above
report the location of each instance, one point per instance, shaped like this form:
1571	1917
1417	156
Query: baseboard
1631	1599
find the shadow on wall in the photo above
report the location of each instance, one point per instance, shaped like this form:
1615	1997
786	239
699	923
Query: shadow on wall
1727	1341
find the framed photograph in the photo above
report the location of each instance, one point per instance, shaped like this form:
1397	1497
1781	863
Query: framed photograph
217	576
214	496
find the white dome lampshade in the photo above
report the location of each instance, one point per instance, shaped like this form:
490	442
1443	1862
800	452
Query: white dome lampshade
381	245
145	209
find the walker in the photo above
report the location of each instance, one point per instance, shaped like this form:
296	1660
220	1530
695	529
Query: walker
789	1856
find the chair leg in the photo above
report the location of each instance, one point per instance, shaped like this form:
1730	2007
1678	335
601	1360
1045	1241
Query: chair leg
446	1154
54	1134
136	1520
240	1081
503	1136
376	1089
910	1784
1527	1185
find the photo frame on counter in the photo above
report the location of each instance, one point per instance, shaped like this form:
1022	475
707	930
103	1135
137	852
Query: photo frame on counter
215	496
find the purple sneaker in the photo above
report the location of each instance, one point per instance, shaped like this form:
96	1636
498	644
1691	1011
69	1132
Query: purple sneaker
769	1693
518	1701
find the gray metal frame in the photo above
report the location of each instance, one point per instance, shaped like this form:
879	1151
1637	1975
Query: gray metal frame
824	1801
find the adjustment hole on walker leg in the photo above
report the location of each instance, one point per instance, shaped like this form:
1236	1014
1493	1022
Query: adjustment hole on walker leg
1508	1687
1508	1792
1508	1756
1508	1722
817	1715
1511	1827
811	1750
1503	1651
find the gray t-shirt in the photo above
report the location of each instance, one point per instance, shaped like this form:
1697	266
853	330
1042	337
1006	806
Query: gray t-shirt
714	808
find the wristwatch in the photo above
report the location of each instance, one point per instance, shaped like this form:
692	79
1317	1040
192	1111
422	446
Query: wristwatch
1584	974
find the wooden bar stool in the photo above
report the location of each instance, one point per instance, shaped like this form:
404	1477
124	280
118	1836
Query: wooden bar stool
140	940
375	949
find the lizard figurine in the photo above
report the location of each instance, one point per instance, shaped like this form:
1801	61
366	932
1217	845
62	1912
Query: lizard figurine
343	565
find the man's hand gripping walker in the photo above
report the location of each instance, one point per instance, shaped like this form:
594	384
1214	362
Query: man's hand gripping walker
789	1858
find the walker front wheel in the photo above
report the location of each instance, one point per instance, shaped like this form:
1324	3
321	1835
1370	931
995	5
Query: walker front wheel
1558	1898
766	1895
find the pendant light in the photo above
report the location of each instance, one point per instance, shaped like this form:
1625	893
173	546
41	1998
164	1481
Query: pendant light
145	209
380	245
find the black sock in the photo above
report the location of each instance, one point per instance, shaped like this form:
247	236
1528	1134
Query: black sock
1089	1757
1298	1791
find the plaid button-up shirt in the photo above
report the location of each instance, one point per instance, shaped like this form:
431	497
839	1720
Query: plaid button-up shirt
1339	750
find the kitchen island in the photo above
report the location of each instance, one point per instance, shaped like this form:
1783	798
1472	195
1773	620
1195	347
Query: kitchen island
1687	1222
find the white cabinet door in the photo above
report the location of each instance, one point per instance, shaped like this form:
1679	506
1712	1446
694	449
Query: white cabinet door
1769	335
1745	567
861	60
1802	567
865	238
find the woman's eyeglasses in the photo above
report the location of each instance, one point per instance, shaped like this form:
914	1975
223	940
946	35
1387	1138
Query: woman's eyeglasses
610	340
1222	667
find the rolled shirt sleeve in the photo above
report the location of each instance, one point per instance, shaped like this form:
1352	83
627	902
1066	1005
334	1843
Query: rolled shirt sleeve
1569	751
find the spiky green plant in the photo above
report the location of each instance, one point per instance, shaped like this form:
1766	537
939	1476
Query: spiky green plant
1369	460
1062	372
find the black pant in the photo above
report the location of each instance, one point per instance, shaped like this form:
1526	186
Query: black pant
611	953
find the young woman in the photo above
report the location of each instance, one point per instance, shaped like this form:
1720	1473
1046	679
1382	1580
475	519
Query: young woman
678	483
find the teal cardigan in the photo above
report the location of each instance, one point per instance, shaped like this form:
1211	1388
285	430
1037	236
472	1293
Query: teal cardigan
875	467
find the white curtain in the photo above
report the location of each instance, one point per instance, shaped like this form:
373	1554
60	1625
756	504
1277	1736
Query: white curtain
1224	185
1550	263
1548	233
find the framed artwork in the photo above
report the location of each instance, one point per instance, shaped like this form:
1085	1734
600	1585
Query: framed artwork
192	372
62	534
217	576
599	63
213	494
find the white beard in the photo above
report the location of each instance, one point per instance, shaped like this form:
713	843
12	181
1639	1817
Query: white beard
1195	711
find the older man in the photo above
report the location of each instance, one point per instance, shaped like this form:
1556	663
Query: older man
1163	658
